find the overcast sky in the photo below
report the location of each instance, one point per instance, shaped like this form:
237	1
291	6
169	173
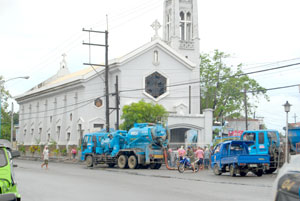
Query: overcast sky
258	33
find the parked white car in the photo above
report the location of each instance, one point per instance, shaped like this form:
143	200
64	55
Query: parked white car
287	183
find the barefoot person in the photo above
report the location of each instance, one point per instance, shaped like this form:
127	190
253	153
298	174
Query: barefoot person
45	157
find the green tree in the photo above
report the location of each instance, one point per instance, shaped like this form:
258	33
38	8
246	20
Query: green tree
223	90
5	115
142	112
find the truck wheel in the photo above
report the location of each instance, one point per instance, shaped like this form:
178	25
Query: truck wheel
111	165
89	161
181	168
270	171
132	162
157	166
152	166
259	173
232	171
243	173
216	170
122	161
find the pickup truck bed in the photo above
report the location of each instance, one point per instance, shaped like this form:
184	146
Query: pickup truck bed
245	159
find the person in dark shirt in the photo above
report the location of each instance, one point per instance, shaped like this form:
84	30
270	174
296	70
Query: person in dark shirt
191	155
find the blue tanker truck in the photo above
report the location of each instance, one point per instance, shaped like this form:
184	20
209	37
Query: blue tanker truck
142	146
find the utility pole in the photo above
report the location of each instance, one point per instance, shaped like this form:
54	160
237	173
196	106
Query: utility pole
12	124
106	70
295	117
117	102
246	109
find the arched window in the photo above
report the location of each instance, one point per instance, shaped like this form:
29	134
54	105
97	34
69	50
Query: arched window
168	25
189	27
182	26
185	26
155	57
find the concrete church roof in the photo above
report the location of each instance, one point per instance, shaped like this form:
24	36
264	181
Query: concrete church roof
55	82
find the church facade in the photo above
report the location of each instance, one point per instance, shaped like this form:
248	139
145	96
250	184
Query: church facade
163	71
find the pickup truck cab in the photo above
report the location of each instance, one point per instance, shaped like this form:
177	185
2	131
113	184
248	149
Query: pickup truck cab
265	142
233	156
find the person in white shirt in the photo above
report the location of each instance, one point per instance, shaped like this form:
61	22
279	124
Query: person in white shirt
45	157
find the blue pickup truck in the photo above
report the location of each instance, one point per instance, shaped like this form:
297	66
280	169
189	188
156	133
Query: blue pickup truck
233	156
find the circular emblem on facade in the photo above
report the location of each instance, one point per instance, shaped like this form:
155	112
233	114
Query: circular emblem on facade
98	102
156	84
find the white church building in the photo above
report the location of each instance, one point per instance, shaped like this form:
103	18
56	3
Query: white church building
67	105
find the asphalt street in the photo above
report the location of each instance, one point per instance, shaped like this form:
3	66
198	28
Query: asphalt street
63	182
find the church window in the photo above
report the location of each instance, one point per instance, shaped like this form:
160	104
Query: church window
182	26
185	26
188	27
168	25
98	102
156	84
155	59
68	136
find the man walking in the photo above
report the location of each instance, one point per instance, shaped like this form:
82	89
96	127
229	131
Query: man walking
45	157
199	154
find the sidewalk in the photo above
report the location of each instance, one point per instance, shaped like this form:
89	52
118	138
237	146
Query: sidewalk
60	159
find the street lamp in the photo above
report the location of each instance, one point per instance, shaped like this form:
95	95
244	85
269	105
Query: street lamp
287	108
1	83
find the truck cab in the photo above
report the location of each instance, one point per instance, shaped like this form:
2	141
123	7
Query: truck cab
265	142
233	156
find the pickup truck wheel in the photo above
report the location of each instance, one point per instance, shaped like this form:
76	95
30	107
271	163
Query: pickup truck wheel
232	171
89	161
270	171
122	161
132	162
216	170
243	173
259	173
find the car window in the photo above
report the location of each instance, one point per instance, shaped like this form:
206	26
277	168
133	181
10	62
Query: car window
85	139
3	160
272	136
261	138
249	137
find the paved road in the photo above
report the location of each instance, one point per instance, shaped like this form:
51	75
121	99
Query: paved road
63	182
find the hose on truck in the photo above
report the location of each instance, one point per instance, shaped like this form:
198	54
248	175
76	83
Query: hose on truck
166	161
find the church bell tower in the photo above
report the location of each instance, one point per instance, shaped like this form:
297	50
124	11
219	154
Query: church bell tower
180	27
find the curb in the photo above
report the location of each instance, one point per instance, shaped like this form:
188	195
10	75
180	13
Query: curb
55	160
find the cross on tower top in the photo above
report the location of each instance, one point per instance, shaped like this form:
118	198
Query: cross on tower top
156	26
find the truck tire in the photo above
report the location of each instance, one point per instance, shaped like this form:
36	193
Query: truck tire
243	173
216	170
111	165
89	161
232	171
155	166
132	162
122	161
158	165
270	171
259	172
